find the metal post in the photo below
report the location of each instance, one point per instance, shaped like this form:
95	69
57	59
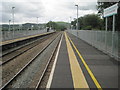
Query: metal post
106	33
37	23
70	23
113	33
13	19
77	20
31	27
106	23
113	24
9	24
77	17
21	26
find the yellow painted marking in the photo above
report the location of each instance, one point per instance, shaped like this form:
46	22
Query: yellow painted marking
79	80
11	41
86	66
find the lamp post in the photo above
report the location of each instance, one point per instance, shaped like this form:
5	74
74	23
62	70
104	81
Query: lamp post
13	19
70	23
77	17
37	22
9	24
32	27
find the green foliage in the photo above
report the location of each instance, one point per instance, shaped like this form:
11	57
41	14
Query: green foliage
87	28
57	25
89	22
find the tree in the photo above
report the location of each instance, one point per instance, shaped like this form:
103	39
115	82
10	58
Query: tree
74	24
92	20
88	22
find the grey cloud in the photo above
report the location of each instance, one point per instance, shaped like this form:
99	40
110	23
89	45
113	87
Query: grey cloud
29	10
108	0
25	9
88	6
6	19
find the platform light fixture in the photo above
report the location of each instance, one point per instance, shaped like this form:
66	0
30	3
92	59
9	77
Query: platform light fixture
13	19
9	24
77	17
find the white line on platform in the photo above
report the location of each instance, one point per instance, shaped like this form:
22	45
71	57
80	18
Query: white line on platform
53	68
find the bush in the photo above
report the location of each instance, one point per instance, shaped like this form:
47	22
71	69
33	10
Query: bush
87	28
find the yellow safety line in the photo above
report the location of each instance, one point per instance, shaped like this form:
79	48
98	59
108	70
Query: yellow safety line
86	66
79	80
21	38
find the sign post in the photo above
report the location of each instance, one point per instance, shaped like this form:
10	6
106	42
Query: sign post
110	11
106	32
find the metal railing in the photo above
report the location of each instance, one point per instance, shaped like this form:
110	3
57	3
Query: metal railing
102	40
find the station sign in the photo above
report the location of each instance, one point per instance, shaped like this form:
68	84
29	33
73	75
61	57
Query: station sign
111	10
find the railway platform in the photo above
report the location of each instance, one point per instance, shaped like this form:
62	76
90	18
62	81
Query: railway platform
23	38
80	65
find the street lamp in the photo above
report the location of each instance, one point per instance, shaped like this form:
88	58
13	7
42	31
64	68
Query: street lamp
13	19
70	23
77	16
9	24
32	27
20	26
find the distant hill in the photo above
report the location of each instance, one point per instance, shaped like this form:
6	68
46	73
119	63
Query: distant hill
63	23
58	25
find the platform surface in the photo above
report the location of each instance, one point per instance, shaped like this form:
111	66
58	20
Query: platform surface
79	65
21	39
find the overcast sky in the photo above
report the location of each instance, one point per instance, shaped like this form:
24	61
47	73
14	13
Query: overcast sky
27	11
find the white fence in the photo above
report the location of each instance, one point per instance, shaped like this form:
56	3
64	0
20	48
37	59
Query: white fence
102	40
8	35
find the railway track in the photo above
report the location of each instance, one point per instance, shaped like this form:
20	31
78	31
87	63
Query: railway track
47	66
6	85
12	54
